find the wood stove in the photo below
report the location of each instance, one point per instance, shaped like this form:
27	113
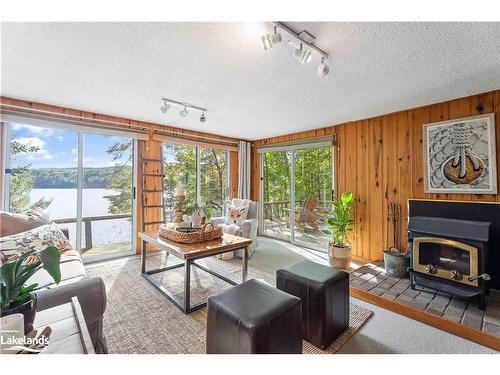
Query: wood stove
450	255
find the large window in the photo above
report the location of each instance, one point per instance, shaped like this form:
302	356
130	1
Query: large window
202	172
81	178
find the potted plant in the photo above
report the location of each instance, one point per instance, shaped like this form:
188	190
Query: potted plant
200	212
396	262
15	295
196	212
339	223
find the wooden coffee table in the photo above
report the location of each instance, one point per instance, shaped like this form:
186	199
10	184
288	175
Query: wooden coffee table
189	253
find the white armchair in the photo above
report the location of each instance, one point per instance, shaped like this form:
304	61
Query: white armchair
248	227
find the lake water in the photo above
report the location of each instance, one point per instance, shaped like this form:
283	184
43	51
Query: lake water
94	204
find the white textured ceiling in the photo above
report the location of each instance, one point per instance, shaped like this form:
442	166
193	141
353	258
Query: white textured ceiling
124	69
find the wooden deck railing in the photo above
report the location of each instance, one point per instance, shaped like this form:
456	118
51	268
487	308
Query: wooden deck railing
88	220
276	210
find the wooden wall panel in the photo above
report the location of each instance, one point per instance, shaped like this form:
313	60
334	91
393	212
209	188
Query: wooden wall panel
381	159
233	174
147	149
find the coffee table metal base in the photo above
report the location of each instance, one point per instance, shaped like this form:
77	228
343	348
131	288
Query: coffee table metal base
185	304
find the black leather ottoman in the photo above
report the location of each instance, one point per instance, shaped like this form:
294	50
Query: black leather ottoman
324	292
253	318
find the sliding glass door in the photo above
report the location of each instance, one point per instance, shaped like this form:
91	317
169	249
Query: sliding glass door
107	195
296	188
82	179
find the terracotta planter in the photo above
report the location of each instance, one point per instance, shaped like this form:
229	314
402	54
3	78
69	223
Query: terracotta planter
339	257
28	309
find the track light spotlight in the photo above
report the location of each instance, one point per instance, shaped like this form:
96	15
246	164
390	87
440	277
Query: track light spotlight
298	52
276	37
323	69
184	112
165	107
266	42
269	40
306	57
203	117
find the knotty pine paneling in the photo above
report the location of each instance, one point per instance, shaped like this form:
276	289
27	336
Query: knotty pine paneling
147	149
381	159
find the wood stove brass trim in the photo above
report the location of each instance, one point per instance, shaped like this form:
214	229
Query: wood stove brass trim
445	274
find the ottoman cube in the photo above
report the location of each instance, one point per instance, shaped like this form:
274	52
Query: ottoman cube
253	318
324	292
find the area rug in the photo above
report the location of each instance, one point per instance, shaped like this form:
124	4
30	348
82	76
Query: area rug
140	320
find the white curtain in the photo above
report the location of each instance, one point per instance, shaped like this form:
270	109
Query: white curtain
244	170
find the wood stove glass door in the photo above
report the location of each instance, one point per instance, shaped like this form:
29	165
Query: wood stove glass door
445	258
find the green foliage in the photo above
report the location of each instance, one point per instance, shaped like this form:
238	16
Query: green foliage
121	177
313	177
340	220
205	209
180	169
21	181
14	275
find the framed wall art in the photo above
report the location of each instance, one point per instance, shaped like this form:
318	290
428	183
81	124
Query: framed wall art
460	156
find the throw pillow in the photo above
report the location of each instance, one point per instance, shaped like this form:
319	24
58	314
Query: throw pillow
11	247
13	223
236	215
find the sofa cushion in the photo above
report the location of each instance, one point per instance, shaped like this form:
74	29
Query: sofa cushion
13	223
39	238
71	271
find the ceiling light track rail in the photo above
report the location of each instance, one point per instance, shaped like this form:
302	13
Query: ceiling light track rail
303	52
167	103
184	104
296	35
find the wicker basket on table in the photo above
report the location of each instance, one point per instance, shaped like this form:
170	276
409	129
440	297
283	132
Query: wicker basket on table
208	232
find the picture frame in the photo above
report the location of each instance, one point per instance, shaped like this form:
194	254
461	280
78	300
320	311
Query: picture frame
460	156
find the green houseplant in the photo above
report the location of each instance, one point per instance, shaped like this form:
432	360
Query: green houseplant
200	212
339	223
15	295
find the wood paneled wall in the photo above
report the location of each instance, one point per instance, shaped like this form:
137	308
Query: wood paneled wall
147	149
381	159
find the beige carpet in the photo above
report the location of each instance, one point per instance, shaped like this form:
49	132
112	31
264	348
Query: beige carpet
139	319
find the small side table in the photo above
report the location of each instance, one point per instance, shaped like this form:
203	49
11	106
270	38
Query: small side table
70	334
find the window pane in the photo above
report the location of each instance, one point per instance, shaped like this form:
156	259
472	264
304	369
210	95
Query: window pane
276	186
180	170
214	181
107	201
44	172
313	188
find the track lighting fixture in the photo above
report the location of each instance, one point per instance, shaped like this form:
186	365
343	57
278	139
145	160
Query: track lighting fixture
165	107
167	103
306	47
183	113
323	69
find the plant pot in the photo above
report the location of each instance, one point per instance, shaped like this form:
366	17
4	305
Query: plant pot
196	219
28	309
338	256
396	263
